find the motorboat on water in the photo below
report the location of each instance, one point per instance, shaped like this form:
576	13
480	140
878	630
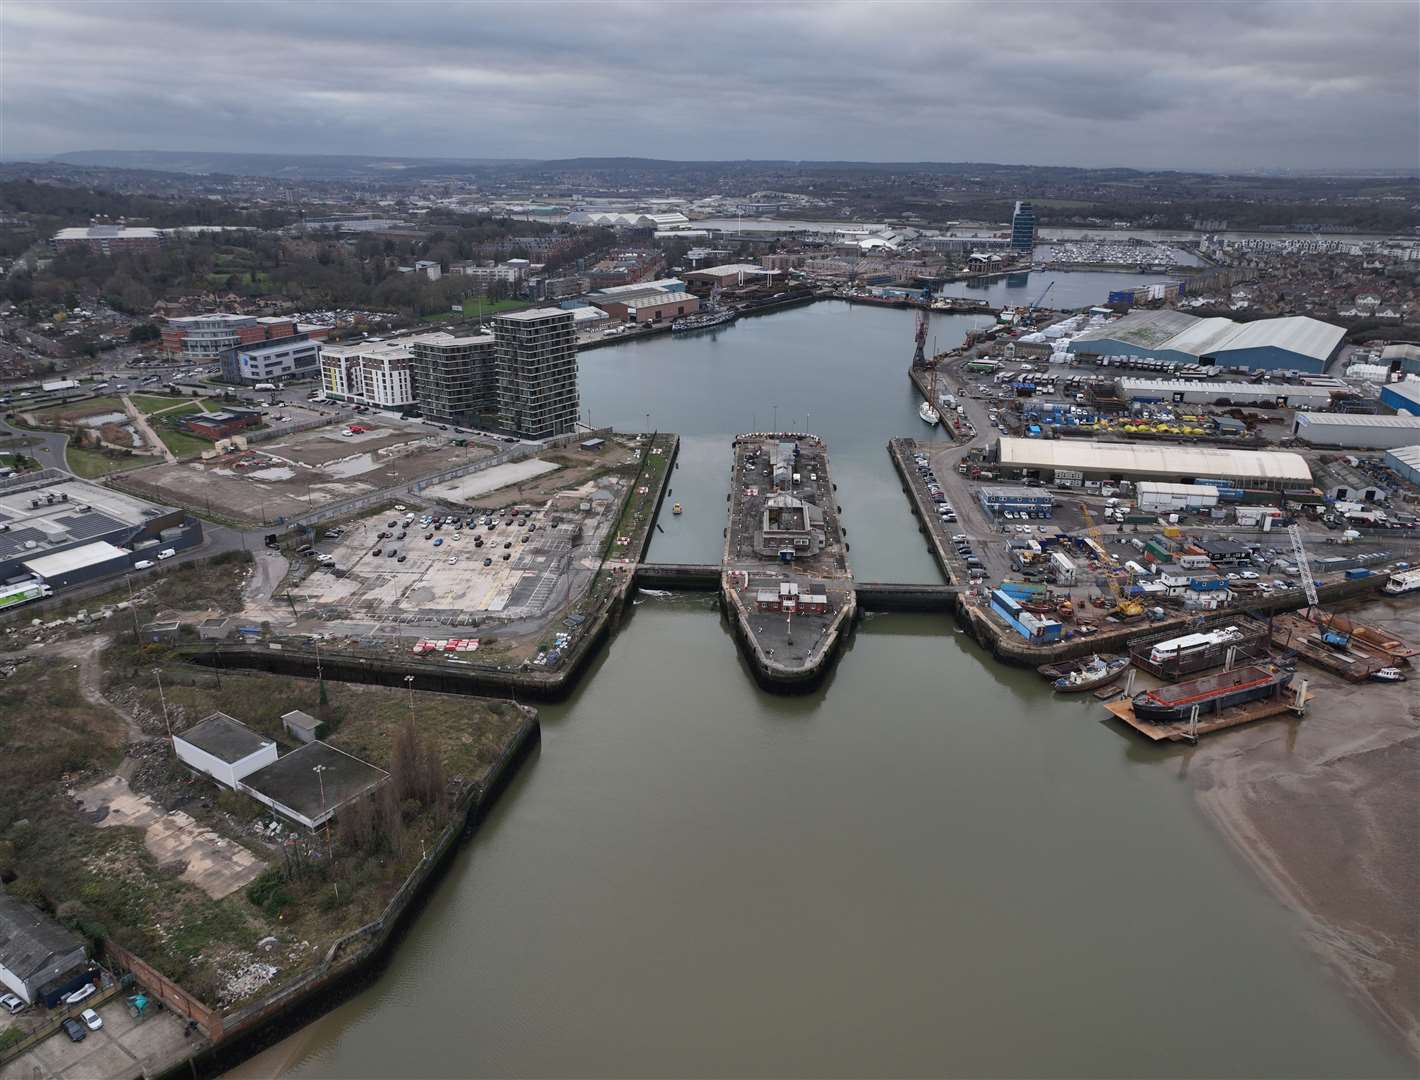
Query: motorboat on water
676	509
929	415
1098	671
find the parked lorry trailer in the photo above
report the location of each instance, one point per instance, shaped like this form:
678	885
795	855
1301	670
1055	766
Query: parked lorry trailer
23	593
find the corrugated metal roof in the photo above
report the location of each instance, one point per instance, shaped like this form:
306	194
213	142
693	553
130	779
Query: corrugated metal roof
1406	455
63	562
1146	329
1225	389
1295	333
1160	488
1202	337
1141	460
1358	420
1175	331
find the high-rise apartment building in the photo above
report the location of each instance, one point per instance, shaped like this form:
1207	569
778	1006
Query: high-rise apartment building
379	373
1023	226
455	378
536	371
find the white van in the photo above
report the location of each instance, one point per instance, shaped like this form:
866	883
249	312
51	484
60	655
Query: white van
166	553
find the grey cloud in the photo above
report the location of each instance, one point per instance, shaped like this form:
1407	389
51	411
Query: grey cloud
1183	85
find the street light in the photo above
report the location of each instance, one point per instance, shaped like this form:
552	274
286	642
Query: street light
157	673
409	682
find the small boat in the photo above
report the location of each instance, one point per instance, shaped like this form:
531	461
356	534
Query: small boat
929	415
1099	671
676	509
1389	674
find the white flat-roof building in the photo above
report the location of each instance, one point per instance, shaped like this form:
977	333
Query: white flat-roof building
378	373
1185	392
1358	430
1086	459
224	748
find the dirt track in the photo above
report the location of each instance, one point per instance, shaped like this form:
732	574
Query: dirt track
1328	810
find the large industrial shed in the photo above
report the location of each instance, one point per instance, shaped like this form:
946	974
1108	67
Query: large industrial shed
1405	460
1080	459
1403	397
1357	430
1266	395
1294	343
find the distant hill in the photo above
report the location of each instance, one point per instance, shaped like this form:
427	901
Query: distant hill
279	166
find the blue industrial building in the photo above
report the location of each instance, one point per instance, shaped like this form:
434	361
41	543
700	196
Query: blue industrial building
1294	343
1403	397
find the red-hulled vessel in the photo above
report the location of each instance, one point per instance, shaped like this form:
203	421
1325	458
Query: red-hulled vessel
1211	693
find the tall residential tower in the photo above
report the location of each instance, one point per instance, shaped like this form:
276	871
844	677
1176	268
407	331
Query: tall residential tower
1023	226
535	359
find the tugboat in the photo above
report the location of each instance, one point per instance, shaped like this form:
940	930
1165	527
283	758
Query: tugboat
1099	671
1212	693
1389	674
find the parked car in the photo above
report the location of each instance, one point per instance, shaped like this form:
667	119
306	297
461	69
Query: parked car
13	1004
377	552
74	1029
438	541
487	562
144	564
92	1020
166	553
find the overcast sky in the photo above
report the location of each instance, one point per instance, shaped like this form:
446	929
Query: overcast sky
1181	84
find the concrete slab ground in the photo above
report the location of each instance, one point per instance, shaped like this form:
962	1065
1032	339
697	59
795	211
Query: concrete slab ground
481	483
290	476
215	864
526	582
124	1047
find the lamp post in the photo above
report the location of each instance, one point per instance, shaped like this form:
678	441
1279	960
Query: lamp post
318	770
409	682
157	674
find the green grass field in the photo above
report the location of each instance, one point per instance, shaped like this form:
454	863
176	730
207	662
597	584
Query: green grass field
92	464
148	404
180	443
475	305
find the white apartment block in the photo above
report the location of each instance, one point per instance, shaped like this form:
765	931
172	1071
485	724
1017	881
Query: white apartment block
378	373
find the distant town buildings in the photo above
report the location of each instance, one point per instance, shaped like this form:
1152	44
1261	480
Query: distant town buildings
1023	226
536	365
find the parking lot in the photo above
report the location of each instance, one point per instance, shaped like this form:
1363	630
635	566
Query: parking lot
123	1047
417	568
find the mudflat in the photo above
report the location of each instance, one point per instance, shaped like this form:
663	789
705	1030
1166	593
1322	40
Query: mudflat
1327	809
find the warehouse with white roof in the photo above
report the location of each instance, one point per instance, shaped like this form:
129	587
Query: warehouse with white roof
1294	343
1357	430
1264	395
1075	460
